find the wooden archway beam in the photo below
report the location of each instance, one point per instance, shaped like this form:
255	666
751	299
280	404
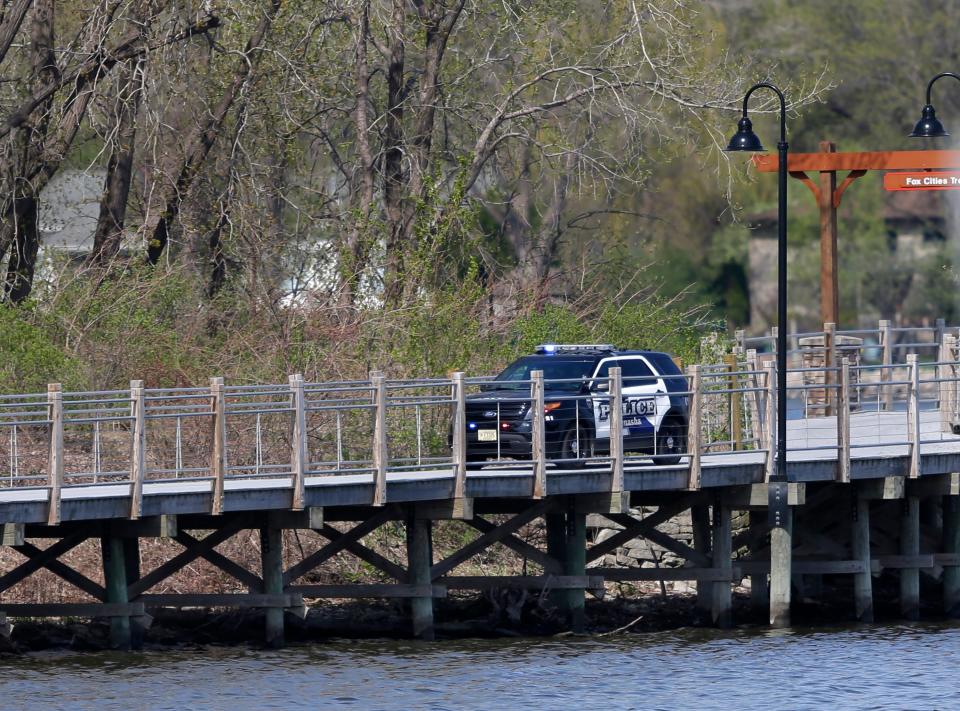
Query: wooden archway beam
867	160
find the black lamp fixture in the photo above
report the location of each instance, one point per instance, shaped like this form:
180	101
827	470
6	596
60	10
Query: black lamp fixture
746	140
929	125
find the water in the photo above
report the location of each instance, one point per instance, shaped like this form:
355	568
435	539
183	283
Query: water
896	667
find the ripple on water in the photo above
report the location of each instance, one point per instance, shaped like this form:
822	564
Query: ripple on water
892	666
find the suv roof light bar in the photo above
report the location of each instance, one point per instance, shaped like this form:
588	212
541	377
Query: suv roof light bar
552	348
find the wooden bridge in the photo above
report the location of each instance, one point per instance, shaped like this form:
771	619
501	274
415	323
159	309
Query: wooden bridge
873	431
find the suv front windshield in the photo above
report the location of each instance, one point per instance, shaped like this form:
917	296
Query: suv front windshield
517	375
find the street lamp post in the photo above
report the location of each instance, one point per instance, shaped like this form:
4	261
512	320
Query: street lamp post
746	140
929	125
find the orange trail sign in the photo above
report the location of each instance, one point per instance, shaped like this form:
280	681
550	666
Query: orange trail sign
925	180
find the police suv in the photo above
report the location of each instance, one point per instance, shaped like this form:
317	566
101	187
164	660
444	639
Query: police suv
577	407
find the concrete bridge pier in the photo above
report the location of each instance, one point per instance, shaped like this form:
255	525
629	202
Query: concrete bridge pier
781	568
271	557
115	578
420	560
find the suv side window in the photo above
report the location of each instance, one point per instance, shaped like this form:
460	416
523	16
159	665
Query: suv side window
636	372
603	371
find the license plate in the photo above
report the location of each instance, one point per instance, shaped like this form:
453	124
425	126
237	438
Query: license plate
486	435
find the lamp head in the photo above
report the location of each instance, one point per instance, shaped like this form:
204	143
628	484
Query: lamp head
745	139
929	125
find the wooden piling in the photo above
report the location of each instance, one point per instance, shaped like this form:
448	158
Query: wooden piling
951	546
575	563
131	562
910	547
271	557
115	577
567	544
722	552
860	544
759	594
781	569
700	518
419	562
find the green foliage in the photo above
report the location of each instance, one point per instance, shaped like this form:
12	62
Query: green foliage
132	325
555	323
30	356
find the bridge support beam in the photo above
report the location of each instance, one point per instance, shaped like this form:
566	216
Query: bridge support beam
910	547
951	546
271	558
860	545
781	570
721	607
420	560
115	577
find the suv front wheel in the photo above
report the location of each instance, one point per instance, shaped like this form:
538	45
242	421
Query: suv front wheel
577	444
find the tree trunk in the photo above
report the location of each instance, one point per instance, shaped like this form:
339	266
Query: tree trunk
393	178
108	235
181	171
25	229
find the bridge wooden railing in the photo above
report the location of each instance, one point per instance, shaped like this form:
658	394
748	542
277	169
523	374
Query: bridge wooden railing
136	438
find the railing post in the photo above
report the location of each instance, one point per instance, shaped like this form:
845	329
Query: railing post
299	461
218	456
771	418
538	443
459	437
731	360
694	441
381	454
138	447
940	330
615	392
913	414
739	337
55	456
944	382
948	402
753	401
886	373
829	362
843	422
